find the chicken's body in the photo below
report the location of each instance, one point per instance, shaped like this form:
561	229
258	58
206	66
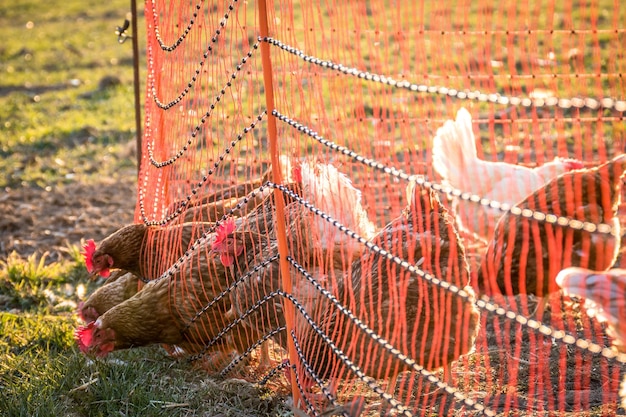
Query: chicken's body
423	321
525	255
109	295
168	310
456	160
146	251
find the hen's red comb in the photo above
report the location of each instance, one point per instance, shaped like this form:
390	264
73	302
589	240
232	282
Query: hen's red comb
572	164
90	248
222	232
296	172
84	336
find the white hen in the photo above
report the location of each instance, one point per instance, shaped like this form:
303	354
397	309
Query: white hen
456	160
332	192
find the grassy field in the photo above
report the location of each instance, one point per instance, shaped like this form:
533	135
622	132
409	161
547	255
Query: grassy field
67	118
66	92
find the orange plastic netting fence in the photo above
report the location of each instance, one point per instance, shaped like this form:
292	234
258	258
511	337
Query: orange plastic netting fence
313	173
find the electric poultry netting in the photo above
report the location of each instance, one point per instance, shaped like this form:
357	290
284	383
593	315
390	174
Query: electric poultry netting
364	259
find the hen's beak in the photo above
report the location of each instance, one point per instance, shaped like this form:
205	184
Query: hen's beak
93	275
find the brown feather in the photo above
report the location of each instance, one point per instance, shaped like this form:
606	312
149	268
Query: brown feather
109	295
147	251
425	322
525	255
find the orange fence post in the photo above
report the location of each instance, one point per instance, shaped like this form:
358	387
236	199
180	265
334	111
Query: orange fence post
281	232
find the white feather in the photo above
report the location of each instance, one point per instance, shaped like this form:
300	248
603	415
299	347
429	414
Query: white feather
456	160
333	193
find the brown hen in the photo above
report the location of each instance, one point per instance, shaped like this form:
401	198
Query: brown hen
251	255
525	255
108	296
167	310
146	251
425	322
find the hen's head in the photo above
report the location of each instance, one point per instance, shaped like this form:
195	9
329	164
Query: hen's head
87	313
97	263
557	167
94	339
225	244
572	164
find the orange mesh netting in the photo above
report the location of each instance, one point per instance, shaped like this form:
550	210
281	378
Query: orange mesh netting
313	174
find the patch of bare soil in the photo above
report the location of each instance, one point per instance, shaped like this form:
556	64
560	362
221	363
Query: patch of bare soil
35	220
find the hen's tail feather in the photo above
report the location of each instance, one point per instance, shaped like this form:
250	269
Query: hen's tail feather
454	149
464	126
333	192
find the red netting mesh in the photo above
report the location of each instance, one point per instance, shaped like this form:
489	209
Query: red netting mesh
358	109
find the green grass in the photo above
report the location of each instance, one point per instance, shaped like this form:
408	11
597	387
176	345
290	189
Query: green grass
30	284
53	102
41	374
37	359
